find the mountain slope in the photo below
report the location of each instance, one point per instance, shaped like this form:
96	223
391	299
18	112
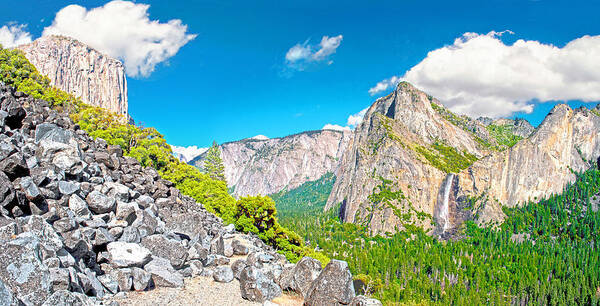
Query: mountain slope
409	139
266	166
76	68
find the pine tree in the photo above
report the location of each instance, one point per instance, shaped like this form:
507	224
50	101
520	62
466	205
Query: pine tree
213	164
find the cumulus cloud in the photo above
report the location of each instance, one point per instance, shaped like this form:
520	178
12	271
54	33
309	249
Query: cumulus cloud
12	35
356	119
384	85
186	154
123	29
335	127
351	123
481	75
300	55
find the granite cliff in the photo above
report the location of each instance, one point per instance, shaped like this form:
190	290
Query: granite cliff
567	141
266	166
409	139
76	68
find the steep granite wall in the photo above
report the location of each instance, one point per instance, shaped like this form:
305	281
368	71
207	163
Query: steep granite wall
78	69
266	166
537	166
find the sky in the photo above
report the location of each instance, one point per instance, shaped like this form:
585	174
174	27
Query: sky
200	71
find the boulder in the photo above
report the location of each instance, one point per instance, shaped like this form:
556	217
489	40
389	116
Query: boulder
124	254
163	273
239	248
172	250
51	132
256	287
304	273
23	272
100	203
141	279
237	267
332	287
223	274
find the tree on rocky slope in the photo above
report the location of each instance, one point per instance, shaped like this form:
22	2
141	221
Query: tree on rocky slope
213	164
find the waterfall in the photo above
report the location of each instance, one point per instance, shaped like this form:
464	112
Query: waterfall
445	210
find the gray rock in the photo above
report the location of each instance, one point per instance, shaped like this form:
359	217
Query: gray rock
64	297
362	300
51	132
109	283
124	278
8	229
239	248
68	187
305	272
256	287
130	234
124	254
237	267
23	272
32	192
172	250
197	252
79	206
141	279
59	279
217	246
163	274
99	203
333	286
223	274
6	296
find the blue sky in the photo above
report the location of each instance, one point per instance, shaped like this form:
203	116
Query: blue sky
232	80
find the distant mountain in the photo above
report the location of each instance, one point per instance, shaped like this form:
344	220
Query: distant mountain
186	154
78	69
266	166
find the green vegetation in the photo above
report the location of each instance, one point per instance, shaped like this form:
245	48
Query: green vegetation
596	111
462	122
252	214
310	196
503	135
213	164
559	263
446	158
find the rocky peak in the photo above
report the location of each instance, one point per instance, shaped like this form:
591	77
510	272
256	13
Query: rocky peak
78	69
410	139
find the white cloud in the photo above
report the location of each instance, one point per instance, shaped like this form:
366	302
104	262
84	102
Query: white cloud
301	55
356	119
12	35
384	85
123	29
335	127
186	154
481	75
351	123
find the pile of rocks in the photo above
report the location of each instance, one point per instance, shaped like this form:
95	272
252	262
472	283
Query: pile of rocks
80	223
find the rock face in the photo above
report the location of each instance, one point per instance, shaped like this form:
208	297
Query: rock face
537	166
332	287
389	144
266	166
76	68
519	127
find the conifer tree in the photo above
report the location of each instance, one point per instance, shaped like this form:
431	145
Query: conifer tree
213	164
